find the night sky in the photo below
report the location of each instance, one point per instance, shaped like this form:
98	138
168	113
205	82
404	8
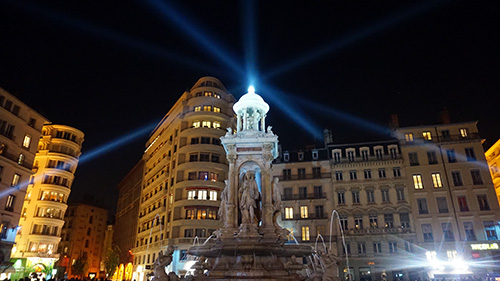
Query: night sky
110	68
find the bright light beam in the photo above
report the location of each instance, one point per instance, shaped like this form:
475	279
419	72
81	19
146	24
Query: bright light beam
350	39
346	117
99	151
249	40
111	35
118	142
281	100
371	126
202	39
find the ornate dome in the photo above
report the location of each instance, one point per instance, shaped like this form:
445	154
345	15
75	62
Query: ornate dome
251	100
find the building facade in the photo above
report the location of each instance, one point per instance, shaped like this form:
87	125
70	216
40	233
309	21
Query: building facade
42	216
454	203
352	199
493	159
127	214
20	129
83	236
184	172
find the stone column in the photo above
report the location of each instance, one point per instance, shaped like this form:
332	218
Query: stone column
238	122
263	123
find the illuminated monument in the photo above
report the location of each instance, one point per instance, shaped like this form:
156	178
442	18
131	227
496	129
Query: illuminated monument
251	244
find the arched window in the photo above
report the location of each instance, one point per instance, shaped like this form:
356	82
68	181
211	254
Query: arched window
91	219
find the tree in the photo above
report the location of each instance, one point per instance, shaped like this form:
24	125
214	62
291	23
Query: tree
112	260
80	266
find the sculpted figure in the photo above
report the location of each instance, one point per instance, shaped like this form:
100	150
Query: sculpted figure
223	202
248	197
269	130
276	201
160	263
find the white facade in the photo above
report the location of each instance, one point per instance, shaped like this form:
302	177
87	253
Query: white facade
20	129
185	168
47	194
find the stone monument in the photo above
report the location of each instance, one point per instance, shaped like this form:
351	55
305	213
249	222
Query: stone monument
251	244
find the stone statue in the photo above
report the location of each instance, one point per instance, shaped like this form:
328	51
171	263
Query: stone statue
229	132
248	197
200	266
277	205
160	263
223	202
269	130
330	267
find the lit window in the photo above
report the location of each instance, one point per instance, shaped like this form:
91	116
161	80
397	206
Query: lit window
197	108
464	132
288	213
213	195
417	181
206	124
427	135
196	124
216	125
304	213
409	137
27	141
217	96
9	205
20	160
202	195
216	109
305	233
207	108
191	194
208	94
15	180
436	180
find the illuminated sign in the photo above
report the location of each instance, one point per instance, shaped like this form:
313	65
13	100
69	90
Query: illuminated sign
371	263
481	247
246	149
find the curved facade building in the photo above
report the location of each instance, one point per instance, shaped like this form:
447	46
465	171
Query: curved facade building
184	172
42	216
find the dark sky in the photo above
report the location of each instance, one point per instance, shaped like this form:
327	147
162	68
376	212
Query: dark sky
110	68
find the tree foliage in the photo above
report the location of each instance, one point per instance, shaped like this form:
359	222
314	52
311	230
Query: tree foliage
80	267
112	260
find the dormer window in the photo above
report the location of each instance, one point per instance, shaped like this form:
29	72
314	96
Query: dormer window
286	156
350	155
315	155
301	156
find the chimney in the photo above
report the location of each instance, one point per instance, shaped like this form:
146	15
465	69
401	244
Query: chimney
394	123
327	136
444	116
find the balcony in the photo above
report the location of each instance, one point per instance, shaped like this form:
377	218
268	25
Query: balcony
450	138
305	177
288	197
310	216
15	158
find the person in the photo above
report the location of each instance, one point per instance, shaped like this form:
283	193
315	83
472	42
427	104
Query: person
249	194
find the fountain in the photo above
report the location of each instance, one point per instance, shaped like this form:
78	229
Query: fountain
251	244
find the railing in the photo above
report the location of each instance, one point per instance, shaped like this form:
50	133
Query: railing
303	196
371	230
357	159
310	216
304	177
420	140
15	158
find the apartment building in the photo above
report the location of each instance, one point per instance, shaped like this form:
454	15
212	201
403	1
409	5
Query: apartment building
361	209
42	216
83	237
184	172
455	208
20	129
493	159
